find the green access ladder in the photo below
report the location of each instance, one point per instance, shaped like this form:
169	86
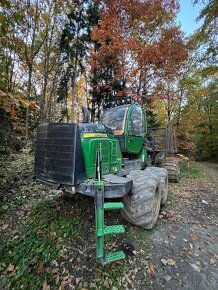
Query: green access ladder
101	229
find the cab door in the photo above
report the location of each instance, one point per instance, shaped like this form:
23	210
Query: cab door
135	129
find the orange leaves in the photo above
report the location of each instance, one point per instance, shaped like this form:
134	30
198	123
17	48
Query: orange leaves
108	35
194	236
171	262
133	40
173	48
33	105
151	270
11	111
7	110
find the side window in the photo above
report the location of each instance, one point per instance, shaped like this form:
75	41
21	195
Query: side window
136	122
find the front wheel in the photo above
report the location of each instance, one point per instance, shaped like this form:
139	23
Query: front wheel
142	206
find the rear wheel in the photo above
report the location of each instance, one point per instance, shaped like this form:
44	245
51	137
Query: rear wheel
163	179
173	168
142	206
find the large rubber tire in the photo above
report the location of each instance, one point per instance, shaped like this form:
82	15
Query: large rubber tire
163	179
142	205
173	168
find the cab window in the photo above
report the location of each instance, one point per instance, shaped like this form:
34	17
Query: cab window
136	122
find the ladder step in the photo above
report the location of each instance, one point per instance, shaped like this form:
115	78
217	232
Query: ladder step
114	256
116	229
113	205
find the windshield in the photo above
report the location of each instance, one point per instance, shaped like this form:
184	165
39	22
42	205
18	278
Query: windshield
115	118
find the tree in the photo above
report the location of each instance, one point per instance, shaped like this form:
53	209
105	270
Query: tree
75	45
198	118
25	40
29	57
49	62
138	45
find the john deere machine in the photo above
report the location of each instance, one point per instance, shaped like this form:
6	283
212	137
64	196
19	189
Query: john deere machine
106	160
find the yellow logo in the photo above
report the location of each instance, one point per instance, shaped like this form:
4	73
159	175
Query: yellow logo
94	135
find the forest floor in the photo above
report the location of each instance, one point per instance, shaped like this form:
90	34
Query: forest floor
47	242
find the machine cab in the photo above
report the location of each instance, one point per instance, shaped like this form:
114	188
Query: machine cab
128	124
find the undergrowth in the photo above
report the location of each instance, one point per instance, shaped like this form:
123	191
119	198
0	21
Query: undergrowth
25	259
190	170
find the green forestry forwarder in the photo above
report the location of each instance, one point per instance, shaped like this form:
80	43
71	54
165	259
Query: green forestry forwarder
106	160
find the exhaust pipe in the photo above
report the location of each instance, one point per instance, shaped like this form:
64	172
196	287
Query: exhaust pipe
85	115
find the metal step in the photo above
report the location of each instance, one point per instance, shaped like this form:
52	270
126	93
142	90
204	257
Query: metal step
100	206
113	205
114	256
116	229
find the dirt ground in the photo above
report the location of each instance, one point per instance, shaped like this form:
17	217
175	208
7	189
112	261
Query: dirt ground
188	234
180	253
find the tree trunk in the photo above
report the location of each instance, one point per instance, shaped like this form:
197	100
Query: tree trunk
74	98
29	87
179	109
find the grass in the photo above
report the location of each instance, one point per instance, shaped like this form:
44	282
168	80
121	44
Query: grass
33	250
190	170
25	254
49	218
3	207
28	258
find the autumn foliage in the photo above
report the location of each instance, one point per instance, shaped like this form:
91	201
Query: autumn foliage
58	55
138	43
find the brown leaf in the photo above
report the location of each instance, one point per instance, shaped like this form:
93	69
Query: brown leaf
52	234
13	113
33	106
8	110
171	262
39	266
55	271
151	270
45	286
10	268
4	227
57	279
194	236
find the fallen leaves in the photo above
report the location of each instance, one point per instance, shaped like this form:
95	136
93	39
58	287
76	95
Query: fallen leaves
52	234
168	261
185	243
33	106
5	226
45	286
171	262
39	266
212	261
151	270
194	236
10	268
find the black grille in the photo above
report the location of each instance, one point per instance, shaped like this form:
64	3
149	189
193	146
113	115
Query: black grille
59	157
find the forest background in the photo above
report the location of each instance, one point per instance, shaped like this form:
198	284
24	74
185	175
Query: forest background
56	56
